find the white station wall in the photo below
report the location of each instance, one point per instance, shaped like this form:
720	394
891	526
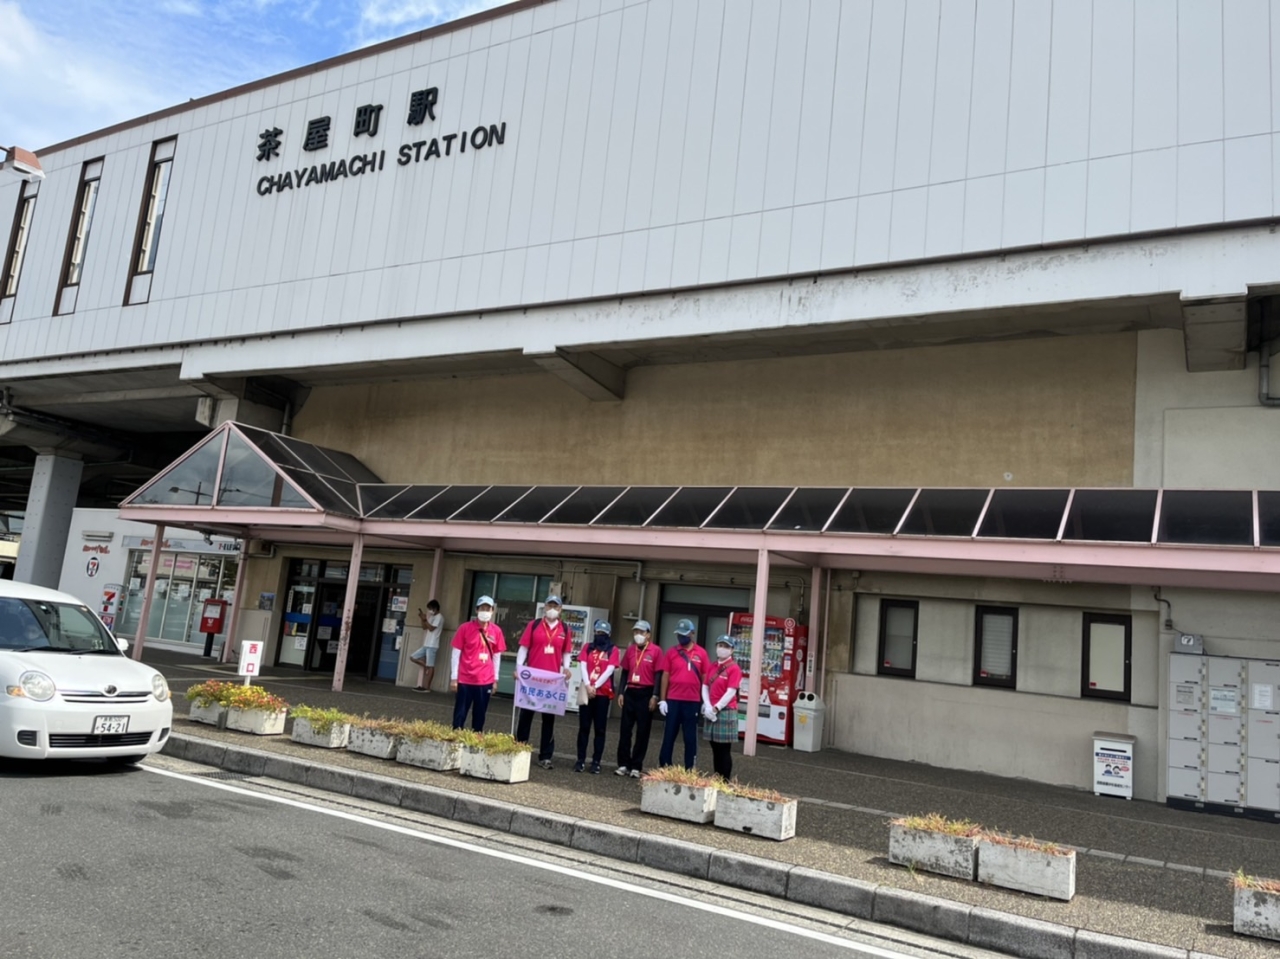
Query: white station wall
667	143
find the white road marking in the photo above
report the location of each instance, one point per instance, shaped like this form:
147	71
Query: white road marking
546	866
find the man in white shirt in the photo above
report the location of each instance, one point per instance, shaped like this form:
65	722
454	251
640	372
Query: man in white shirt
432	626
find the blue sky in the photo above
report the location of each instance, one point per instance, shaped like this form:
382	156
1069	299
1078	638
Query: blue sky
69	67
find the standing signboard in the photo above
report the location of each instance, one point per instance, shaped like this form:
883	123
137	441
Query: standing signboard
1113	765
250	659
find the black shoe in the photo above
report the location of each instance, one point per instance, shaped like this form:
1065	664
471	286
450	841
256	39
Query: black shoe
578	767
595	769
544	763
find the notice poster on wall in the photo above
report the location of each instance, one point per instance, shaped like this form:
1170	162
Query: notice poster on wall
332	647
1113	765
300	642
399	604
324	632
1185	695
1260	696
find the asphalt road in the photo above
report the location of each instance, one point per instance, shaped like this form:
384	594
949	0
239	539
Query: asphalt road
146	863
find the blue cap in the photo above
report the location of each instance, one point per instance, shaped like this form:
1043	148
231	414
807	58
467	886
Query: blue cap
727	641
485	601
642	626
602	626
684	627
553	599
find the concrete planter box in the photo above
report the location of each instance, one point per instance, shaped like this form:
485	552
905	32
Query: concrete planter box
334	738
214	715
937	852
1027	870
260	722
502	768
430	754
759	817
1257	913
689	803
372	742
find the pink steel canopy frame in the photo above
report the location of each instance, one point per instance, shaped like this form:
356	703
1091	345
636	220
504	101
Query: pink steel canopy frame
1060	561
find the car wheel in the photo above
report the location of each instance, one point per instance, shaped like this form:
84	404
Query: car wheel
121	761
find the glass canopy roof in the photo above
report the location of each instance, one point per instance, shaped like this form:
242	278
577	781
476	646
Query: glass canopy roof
242	467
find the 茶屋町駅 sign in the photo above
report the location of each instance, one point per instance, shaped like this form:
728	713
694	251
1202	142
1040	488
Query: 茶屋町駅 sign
422	105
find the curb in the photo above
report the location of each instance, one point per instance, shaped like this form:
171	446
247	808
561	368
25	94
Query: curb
888	905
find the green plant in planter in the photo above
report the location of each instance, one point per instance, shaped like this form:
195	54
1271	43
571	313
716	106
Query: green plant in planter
936	822
1254	883
215	692
423	729
254	697
502	744
321	720
680	776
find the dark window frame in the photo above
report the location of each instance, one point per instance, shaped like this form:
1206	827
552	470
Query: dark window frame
1114	619
85	180
993	681
914	606
148	186
25	200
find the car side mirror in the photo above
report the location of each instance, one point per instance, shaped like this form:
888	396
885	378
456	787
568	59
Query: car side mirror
122	643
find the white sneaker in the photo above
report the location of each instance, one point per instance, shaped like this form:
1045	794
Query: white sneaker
635	774
620	771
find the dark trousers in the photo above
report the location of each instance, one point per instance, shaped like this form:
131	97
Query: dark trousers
682	717
722	759
474	699
524	725
635	716
594	712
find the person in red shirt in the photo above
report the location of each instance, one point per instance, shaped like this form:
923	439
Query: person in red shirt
721	709
639	669
598	660
546	644
684	686
478	646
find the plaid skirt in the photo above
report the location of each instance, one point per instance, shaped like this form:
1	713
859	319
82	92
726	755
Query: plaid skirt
724	729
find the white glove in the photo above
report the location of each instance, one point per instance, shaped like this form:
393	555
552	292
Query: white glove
662	707
709	712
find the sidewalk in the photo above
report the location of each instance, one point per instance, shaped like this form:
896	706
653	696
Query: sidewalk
1147	872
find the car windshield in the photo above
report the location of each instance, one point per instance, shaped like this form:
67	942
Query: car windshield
27	624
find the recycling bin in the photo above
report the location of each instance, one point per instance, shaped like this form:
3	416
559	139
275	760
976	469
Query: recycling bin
807	734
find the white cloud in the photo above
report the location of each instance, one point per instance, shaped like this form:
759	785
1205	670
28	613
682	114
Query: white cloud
383	19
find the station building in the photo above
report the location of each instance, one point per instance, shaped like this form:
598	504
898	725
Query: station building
941	328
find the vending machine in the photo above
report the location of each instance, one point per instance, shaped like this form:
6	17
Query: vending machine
579	620
783	673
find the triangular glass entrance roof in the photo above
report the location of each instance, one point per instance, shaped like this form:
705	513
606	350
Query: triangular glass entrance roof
240	467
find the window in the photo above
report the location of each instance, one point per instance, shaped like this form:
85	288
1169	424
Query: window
150	220
899	619
995	647
78	238
1108	649
18	240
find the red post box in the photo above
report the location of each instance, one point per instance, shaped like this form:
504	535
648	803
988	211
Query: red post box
213	613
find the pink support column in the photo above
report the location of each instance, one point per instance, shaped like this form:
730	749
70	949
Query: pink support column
236	602
435	581
815	596
348	611
757	652
148	594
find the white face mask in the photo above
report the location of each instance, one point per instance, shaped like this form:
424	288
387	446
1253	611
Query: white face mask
723	652
640	638
551	614
484	615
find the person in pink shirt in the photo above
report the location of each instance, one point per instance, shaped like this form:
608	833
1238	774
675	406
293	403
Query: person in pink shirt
478	646
598	660
639	670
684	686
721	710
546	644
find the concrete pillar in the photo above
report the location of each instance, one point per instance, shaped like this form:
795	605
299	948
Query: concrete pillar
754	684
55	484
148	594
348	611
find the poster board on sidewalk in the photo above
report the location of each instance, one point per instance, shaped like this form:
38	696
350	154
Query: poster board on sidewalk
1113	765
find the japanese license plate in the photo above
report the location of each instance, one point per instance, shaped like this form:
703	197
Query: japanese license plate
110	725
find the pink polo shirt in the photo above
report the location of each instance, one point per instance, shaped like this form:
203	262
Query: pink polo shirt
724	675
475	665
683	681
640	666
597	661
546	646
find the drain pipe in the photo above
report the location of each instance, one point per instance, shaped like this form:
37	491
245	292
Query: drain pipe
1264	377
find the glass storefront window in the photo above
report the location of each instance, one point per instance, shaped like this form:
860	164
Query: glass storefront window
183	582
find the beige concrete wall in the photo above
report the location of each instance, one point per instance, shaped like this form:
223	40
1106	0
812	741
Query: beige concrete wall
1196	430
1044	738
1047	412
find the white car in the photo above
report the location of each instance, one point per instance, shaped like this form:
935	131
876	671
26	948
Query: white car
67	691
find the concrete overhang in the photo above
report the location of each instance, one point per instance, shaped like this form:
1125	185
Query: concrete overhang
1215	333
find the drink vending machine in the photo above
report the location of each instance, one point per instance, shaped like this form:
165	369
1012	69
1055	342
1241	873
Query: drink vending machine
783	673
